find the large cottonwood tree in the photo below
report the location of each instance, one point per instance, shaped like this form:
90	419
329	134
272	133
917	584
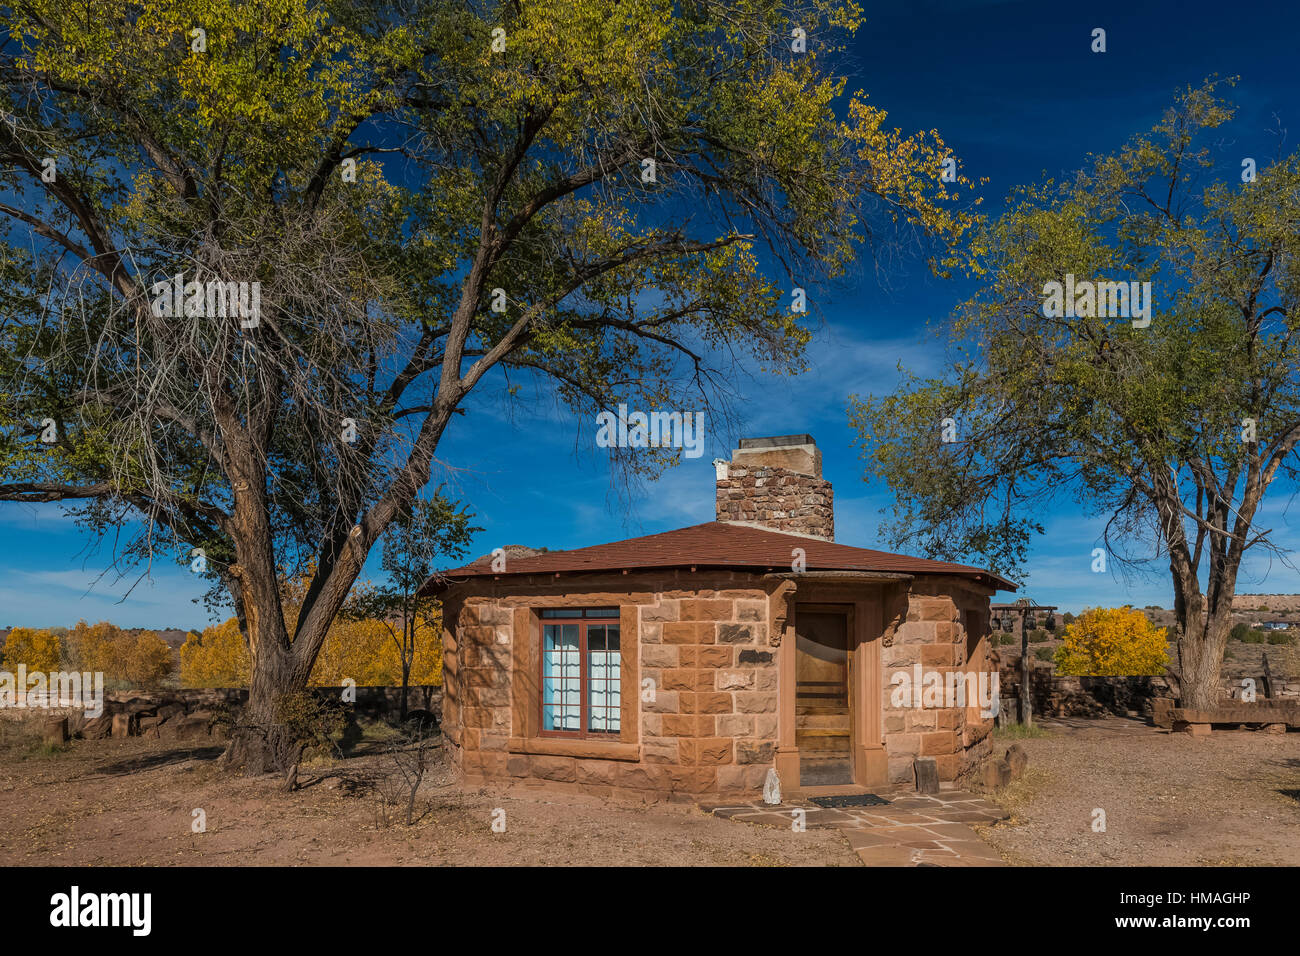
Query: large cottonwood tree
1173	426
613	199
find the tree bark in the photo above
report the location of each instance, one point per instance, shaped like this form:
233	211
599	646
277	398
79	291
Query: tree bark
1205	617
406	681
260	743
1202	663
1206	622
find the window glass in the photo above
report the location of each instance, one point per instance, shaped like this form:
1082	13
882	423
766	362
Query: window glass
561	678
603	679
581	671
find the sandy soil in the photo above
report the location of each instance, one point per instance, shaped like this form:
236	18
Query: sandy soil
1170	800
130	802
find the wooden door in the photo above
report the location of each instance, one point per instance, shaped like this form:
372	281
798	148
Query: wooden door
823	694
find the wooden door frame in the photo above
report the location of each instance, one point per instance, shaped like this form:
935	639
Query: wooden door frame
865	612
848	611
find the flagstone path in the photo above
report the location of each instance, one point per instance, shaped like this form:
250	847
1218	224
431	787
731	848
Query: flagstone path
914	829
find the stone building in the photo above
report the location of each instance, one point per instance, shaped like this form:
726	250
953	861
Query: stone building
693	661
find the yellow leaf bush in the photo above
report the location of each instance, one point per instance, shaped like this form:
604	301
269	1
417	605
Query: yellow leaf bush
40	650
364	651
1109	642
142	659
217	657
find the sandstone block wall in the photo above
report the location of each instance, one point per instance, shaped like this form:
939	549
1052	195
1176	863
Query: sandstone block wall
709	726
703	641
715	712
476	678
928	625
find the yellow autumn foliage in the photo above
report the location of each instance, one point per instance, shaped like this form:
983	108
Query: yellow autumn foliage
1110	642
367	652
40	649
142	658
363	651
217	657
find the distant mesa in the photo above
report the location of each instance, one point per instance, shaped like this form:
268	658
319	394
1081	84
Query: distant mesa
1259	602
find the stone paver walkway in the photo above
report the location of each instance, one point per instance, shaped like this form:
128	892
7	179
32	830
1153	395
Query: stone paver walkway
914	829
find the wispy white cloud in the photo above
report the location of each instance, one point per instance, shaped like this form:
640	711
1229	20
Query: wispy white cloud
61	598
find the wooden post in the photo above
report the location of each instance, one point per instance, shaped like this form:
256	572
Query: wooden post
1026	701
1268	678
927	774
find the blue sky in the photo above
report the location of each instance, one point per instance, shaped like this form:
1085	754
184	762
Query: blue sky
1015	91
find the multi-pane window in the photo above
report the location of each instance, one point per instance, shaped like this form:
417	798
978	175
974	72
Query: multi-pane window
580	671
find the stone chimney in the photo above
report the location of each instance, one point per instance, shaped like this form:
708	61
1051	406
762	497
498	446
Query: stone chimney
776	483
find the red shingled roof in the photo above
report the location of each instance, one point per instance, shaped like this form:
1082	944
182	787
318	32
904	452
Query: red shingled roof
713	545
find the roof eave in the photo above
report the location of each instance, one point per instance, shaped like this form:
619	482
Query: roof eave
439	583
832	575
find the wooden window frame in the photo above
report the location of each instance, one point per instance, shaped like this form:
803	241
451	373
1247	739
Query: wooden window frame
584	618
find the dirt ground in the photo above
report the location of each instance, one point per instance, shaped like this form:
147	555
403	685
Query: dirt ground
130	802
1231	799
1170	800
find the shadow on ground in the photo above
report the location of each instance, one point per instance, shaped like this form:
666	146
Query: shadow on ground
152	761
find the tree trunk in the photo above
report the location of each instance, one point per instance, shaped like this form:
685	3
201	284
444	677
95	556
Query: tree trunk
1206	622
406	680
408	658
1204	641
260	743
280	665
410	803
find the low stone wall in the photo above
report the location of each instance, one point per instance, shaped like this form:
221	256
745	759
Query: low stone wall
377	702
1061	696
194	715
371	701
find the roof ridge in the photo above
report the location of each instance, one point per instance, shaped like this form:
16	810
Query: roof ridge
716	544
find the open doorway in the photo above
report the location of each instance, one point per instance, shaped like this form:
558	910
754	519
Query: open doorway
823	694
